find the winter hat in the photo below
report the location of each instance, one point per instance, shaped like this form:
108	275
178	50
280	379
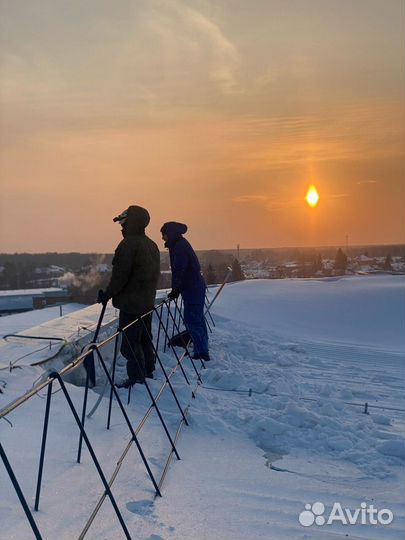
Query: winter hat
172	228
138	216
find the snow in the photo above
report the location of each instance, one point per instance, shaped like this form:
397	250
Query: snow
22	321
278	423
392	448
31	292
350	310
67	333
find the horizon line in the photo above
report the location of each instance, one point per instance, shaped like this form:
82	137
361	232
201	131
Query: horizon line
212	249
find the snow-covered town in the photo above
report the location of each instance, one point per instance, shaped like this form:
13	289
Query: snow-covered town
50	284
323	267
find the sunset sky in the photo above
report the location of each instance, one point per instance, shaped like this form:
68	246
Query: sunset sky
216	113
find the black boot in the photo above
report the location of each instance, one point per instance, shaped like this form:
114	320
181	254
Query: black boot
201	356
179	340
127	383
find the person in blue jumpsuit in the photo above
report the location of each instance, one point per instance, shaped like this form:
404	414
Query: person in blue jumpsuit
188	281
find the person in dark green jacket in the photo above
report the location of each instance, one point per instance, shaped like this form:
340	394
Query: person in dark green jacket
132	287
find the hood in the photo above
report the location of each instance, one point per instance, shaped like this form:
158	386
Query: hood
173	230
137	219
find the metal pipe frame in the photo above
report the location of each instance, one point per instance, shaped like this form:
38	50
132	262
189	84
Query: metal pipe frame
155	350
74	364
128	422
140	369
20	494
56	376
43	445
165	330
186	347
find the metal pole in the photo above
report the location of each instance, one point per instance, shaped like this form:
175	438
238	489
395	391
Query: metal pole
100	320
158	335
167	325
207	323
43	445
89	360
86	391
93	455
207	311
188	353
228	275
169	459
113	379
174	350
17	488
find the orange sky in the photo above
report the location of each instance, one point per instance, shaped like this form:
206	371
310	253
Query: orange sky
215	113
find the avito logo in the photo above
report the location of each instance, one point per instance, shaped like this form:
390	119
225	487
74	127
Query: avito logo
364	515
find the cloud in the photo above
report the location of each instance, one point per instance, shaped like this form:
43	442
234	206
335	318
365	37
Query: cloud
113	66
276	202
221	52
250	199
362	182
268	202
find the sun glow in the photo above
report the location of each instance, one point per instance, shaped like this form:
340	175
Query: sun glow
312	196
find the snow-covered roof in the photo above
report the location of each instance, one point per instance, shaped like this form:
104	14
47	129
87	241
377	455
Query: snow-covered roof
33	292
278	396
19	322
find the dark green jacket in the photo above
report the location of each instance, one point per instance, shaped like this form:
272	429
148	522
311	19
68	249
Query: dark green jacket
136	266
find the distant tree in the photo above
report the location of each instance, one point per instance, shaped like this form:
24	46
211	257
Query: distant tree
210	275
221	270
388	263
340	261
216	258
258	255
237	273
301	259
10	275
318	264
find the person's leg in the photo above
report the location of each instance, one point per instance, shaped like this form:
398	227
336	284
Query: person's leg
131	347
195	324
148	352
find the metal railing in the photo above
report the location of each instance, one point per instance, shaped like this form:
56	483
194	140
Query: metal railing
169	320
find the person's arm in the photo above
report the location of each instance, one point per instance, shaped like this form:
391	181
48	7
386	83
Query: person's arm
180	264
122	266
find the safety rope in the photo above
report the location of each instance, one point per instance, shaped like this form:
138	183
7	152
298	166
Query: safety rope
366	405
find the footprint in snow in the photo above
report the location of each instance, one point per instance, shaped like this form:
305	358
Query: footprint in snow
143	508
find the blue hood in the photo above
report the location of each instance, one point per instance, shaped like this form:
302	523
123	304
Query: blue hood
173	230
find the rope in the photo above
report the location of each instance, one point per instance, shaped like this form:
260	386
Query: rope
250	392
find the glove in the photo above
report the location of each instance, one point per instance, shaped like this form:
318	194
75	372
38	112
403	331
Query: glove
102	297
173	294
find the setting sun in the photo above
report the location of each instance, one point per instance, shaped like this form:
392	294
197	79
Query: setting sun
312	197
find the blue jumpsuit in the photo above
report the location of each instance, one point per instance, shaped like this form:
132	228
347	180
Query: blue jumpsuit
187	278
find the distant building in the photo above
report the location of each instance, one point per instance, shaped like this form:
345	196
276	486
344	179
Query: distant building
21	300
